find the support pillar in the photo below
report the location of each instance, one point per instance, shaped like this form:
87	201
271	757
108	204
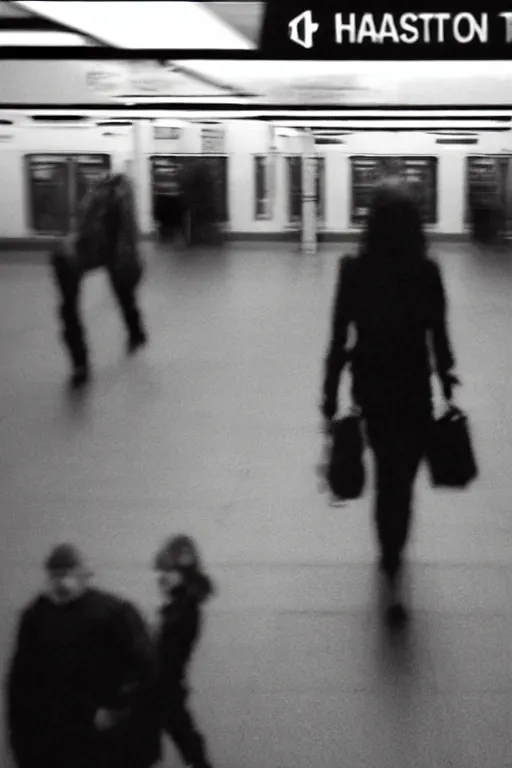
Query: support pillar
141	174
309	218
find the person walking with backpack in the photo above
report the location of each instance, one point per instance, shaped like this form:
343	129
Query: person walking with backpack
392	295
184	588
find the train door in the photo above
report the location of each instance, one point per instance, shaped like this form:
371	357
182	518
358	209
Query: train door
165	191
508	197
166	181
504	183
365	173
320	190
218	165
420	174
48	193
489	185
294	189
57	185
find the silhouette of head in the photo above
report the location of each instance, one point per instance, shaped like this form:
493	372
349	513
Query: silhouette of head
67	574
176	561
394	227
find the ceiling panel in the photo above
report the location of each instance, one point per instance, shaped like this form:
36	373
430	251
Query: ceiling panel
245	17
12	11
144	24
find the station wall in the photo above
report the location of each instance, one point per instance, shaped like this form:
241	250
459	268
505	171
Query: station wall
131	147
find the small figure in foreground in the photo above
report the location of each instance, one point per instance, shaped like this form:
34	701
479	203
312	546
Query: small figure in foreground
184	587
81	679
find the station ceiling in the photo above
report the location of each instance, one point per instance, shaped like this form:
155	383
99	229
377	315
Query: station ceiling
233	25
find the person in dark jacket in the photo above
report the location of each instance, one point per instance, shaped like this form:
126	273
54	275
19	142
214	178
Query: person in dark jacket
81	672
392	296
184	587
105	237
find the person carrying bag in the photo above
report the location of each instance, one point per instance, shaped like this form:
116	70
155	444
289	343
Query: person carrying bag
392	296
342	470
449	453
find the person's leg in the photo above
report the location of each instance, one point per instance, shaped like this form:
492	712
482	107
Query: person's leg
398	450
126	296
179	725
68	284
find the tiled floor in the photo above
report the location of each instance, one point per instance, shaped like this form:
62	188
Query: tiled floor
214	431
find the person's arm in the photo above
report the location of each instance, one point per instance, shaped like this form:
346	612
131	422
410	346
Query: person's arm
178	639
442	348
19	689
132	659
337	356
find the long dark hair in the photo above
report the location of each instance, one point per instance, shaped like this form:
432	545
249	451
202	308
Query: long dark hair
394	229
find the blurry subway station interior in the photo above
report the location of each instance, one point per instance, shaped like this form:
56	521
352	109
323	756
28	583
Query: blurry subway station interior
214	429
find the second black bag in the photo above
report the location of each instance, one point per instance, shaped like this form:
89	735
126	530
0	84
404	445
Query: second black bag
449	454
345	468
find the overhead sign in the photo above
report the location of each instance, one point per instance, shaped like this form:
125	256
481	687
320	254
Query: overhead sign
144	79
330	88
349	30
106	79
320	95
213	140
166	133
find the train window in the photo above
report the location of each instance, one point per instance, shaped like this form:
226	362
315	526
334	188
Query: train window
365	172
48	193
57	184
213	140
262	187
294	165
164	176
489	180
320	188
420	172
88	171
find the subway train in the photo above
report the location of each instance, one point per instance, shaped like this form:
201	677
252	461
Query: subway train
48	163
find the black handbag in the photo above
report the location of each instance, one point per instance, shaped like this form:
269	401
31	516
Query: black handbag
450	456
345	471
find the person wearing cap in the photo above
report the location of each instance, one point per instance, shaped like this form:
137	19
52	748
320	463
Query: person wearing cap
184	587
82	672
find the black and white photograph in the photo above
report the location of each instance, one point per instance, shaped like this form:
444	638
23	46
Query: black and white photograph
256	438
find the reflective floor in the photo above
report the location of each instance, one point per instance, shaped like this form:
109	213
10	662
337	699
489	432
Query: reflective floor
213	431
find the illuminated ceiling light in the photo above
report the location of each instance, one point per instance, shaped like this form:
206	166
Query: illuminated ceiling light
172	99
384	125
149	24
38	39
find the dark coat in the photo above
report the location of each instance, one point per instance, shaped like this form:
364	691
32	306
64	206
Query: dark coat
70	661
397	310
106	233
178	635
